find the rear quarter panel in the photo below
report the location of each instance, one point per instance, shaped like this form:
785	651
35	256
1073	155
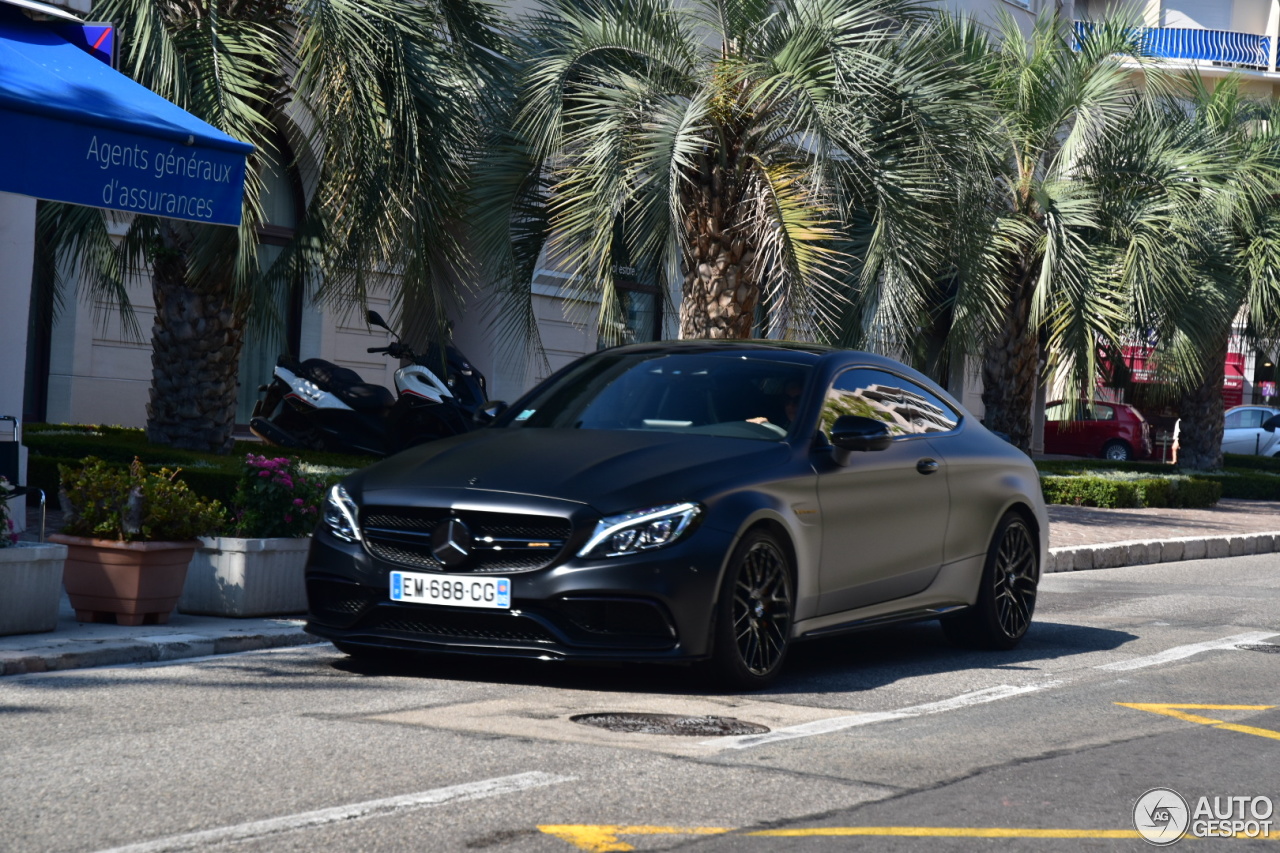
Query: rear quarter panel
987	477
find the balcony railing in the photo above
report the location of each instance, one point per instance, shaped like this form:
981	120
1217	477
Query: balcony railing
1218	46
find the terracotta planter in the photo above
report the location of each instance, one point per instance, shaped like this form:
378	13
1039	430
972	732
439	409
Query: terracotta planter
133	582
237	577
30	587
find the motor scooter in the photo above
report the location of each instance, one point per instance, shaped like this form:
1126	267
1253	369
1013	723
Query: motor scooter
318	405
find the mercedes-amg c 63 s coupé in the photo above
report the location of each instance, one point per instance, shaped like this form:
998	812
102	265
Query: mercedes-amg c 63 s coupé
688	501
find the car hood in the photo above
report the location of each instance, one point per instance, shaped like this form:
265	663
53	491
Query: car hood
610	471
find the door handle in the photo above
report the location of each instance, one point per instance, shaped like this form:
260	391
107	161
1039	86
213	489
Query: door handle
927	466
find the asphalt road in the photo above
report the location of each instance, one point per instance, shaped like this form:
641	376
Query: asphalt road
886	740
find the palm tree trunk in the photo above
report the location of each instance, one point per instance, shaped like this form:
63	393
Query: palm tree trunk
1200	431
721	286
1010	372
195	356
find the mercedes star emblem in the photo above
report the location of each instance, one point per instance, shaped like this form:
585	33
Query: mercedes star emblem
451	542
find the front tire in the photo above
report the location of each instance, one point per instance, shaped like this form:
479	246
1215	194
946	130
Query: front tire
1117	451
1007	595
754	614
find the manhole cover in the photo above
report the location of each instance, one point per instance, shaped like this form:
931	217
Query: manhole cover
1261	647
670	724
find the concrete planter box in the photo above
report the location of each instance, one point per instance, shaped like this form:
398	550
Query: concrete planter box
247	577
30	587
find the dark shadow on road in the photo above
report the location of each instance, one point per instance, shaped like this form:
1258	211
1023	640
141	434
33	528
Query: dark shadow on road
854	662
871	659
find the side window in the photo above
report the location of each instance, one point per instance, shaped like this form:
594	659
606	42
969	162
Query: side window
1057	412
1102	413
906	408
1235	420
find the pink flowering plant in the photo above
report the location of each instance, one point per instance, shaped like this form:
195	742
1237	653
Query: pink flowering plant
8	530
276	498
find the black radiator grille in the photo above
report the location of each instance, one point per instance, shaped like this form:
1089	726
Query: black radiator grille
501	542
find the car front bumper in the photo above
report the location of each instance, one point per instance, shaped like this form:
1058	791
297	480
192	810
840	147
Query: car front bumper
656	606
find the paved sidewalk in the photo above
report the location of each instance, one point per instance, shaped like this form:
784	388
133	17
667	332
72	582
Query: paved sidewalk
1080	538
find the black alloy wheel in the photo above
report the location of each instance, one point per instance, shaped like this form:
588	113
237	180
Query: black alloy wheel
1007	595
754	614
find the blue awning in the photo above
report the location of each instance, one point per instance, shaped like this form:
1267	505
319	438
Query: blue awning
72	129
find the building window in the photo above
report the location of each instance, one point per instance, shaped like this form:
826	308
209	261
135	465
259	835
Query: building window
277	324
642	310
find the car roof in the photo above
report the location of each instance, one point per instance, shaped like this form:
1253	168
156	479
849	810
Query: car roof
801	351
703	345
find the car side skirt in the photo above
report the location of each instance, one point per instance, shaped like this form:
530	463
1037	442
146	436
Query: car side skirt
953	589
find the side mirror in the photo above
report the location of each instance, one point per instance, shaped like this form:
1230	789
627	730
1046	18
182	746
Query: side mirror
855	433
373	318
489	412
1271	423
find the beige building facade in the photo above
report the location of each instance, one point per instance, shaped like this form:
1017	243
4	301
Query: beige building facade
85	368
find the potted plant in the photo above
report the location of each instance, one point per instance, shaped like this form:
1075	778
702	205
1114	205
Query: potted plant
130	535
30	577
257	570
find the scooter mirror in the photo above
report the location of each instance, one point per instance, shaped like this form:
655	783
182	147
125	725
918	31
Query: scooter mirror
489	412
373	318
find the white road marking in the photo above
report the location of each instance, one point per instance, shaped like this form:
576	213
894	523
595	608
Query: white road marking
835	724
372	808
1180	652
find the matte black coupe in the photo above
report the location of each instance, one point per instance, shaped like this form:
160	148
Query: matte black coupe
688	501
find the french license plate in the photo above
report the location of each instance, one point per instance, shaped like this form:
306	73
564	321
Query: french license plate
451	591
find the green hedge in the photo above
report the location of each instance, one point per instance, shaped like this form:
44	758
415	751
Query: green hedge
1117	492
1102	466
209	475
1244	484
1244	477
1234	461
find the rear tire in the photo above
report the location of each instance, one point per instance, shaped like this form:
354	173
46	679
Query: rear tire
1007	593
754	614
1117	451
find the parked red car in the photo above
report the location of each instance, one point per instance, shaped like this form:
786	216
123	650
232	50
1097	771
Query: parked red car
1108	430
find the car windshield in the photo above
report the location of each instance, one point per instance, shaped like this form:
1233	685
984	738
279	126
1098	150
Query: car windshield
729	393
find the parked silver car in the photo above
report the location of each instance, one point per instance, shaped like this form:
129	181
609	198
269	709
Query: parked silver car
1252	430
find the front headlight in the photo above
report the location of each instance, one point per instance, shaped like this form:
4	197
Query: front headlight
642	530
340	513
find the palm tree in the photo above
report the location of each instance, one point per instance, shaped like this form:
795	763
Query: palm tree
1238	259
1078	211
383	101
769	155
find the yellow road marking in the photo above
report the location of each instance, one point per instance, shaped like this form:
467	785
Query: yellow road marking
1177	712
604	838
947	832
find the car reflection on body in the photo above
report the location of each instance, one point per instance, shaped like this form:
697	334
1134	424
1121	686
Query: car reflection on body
688	501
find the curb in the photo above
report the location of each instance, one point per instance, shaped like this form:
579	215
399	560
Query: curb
1144	552
155	649
159	648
